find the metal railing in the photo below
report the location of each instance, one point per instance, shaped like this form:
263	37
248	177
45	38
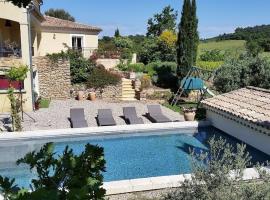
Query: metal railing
7	52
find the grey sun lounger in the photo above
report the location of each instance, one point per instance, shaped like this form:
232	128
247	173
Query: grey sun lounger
105	117
130	116
77	118
155	114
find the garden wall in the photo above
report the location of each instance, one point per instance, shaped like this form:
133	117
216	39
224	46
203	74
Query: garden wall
54	78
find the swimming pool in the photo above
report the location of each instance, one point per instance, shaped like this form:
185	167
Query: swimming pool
128	155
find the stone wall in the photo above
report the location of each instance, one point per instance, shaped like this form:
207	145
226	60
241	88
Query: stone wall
54	78
111	92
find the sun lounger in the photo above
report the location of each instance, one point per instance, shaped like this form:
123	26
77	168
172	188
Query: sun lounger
77	118
130	116
155	114
105	117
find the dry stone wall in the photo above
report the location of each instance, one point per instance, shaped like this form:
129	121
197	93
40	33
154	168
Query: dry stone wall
54	78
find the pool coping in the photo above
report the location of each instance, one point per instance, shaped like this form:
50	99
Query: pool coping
91	131
163	182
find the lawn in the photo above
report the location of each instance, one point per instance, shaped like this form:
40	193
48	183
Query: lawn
226	45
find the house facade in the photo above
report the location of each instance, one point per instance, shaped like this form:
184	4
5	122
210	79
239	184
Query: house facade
26	33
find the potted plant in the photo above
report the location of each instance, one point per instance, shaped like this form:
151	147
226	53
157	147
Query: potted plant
189	114
92	96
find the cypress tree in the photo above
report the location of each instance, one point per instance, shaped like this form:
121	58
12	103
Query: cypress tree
117	33
188	38
195	33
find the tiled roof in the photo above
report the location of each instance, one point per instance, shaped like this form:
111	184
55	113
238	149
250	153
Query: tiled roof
250	104
52	22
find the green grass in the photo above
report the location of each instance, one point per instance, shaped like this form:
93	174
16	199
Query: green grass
226	45
44	103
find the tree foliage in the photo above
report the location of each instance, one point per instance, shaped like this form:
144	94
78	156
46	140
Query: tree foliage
80	67
117	33
245	71
188	38
166	20
20	3
169	38
153	49
218	174
60	14
67	177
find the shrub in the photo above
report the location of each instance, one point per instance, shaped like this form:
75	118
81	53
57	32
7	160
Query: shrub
212	55
242	72
169	37
138	67
100	78
209	65
158	95
146	81
216	181
69	176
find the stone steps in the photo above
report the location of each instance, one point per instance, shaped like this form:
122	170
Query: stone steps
128	92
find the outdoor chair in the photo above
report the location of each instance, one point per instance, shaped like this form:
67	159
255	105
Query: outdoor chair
105	117
130	116
77	118
155	114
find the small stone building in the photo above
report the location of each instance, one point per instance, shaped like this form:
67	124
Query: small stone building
243	114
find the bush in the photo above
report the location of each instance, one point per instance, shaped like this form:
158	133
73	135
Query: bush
212	55
209	65
69	176
158	95
146	81
100	78
242	72
138	67
216	181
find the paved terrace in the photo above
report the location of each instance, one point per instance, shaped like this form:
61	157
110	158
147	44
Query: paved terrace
56	116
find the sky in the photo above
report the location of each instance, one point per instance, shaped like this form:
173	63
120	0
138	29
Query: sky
131	16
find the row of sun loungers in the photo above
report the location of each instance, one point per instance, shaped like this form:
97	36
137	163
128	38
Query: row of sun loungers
105	116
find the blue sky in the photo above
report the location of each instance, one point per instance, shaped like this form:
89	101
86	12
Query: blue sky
215	16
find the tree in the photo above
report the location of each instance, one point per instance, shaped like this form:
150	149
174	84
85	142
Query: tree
253	47
65	177
166	20
20	3
60	13
188	39
212	175
117	33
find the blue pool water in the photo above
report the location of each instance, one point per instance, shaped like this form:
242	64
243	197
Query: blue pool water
138	156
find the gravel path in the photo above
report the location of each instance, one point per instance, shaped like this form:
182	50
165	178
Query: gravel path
56	116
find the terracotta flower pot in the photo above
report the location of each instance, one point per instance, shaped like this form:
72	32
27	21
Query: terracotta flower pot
189	116
80	95
92	96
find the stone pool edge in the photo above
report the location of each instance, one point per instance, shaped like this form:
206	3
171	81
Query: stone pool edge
90	131
162	182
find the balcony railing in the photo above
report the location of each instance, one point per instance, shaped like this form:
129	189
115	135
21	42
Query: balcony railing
85	51
8	52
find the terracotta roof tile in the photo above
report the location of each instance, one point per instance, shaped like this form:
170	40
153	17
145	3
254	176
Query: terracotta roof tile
52	22
250	103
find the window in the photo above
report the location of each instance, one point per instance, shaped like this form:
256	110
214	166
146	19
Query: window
77	42
4	83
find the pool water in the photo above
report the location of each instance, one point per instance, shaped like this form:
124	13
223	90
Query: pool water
138	156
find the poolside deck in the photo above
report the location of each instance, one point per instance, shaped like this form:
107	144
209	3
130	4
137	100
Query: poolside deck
56	116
